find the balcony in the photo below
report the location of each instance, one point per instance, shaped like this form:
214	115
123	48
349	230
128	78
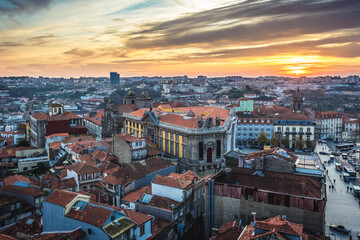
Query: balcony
301	133
308	133
294	133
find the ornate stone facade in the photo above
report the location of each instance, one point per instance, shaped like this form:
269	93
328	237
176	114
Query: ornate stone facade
112	122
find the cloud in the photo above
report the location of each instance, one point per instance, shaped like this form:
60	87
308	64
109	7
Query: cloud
80	52
10	44
41	40
13	7
249	22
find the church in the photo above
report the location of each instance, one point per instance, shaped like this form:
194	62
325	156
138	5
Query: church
113	120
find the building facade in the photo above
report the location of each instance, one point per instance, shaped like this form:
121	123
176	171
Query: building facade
250	126
55	121
195	136
329	125
236	193
295	128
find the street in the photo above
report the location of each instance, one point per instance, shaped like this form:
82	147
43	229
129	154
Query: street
342	208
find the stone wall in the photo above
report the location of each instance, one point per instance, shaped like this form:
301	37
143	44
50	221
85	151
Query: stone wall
228	209
121	150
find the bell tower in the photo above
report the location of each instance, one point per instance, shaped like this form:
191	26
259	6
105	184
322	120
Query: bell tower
298	102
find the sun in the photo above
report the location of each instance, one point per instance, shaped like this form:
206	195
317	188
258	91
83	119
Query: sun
298	65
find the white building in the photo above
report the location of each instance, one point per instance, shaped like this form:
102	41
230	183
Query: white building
329	125
350	128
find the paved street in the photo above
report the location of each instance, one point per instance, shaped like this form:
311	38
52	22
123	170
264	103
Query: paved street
341	207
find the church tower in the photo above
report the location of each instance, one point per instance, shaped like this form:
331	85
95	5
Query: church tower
298	102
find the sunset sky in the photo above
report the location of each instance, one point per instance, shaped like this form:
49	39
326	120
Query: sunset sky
64	38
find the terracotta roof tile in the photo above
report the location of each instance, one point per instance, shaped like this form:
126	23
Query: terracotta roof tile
137	194
92	214
292	184
128	137
157	226
23	190
96	118
172	182
130	172
229	230
273	151
15	178
280	225
61	197
83	168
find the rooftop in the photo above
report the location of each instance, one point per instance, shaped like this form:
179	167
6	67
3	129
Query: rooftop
273	151
130	172
291	184
23	190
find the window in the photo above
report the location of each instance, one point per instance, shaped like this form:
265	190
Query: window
201	150
176	149
142	229
12	207
218	148
184	139
18	205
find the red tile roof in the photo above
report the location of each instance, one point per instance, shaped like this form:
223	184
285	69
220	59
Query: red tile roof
55	145
229	230
61	197
46	116
58	135
11	152
330	114
151	152
280	225
23	190
130	172
83	168
157	226
137	217
128	137
273	151
137	194
96	118
171	182
15	178
286	183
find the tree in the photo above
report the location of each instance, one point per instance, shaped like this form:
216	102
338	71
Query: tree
299	144
310	144
262	139
275	141
285	141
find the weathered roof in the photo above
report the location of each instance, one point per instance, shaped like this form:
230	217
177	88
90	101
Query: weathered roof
83	168
280	225
172	182
61	197
133	171
15	178
286	183
23	190
128	138
272	151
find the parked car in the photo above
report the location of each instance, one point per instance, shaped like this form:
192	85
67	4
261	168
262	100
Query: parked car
323	153
340	228
335	154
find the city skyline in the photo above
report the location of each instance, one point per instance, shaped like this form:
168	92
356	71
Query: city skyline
252	38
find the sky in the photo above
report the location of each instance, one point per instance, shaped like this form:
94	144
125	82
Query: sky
72	38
